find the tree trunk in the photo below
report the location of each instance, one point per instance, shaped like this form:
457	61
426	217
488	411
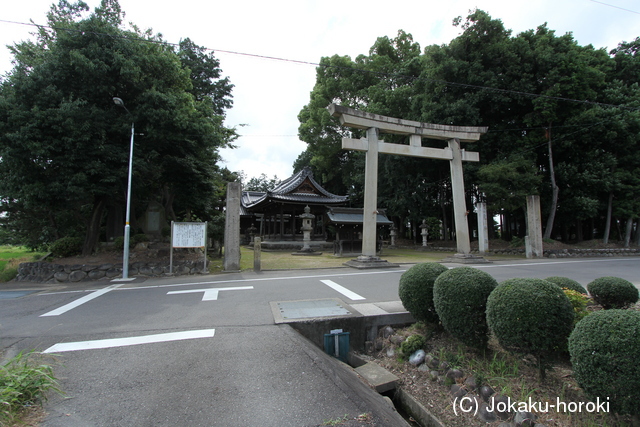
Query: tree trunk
607	227
54	225
618	229
445	223
93	228
627	232
579	229
554	189
168	203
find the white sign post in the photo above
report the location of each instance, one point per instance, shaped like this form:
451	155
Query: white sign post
188	235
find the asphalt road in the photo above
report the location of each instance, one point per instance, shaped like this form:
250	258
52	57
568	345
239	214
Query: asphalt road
204	350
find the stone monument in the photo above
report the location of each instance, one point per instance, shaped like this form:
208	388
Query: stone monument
232	228
533	239
483	231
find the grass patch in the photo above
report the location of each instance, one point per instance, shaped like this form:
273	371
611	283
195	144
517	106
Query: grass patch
283	260
11	257
24	382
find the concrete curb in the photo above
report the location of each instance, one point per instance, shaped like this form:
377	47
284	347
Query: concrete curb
347	381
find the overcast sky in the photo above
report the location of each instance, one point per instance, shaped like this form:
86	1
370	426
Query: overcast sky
269	94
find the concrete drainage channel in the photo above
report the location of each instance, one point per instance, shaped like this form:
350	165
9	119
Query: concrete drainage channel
331	324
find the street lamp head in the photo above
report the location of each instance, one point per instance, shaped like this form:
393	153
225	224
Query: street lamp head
120	103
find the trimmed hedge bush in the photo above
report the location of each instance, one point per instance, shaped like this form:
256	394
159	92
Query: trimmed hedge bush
565	282
66	247
613	292
416	290
460	299
604	350
530	316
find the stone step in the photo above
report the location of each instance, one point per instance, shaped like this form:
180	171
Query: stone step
378	377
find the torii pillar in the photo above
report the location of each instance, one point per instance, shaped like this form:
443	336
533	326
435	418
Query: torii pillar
374	123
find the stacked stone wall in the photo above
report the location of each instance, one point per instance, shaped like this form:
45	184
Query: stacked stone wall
44	272
559	253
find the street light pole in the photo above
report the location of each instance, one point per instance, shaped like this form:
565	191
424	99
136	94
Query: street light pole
127	228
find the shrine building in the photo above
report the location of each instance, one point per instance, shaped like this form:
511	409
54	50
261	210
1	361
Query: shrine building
274	215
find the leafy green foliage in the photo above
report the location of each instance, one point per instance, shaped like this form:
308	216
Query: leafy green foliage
579	302
537	132
139	238
416	290
411	345
66	247
261	183
604	348
565	282
613	292
65	145
23	383
460	299
8	272
530	316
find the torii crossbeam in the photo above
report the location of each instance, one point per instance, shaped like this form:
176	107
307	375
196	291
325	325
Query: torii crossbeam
375	123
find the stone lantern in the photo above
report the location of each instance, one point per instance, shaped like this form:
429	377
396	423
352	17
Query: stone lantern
306	228
393	233
424	232
252	233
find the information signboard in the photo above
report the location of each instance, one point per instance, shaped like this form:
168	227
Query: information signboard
189	234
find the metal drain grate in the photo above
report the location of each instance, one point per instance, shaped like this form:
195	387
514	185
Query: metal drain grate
306	309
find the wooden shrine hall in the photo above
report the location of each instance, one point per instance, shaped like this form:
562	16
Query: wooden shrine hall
274	215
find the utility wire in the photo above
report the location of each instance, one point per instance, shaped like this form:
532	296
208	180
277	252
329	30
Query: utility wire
379	73
617	7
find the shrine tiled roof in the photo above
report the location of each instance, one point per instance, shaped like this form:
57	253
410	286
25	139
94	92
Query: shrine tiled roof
299	188
340	215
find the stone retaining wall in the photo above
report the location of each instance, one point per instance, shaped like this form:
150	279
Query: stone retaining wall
559	253
44	272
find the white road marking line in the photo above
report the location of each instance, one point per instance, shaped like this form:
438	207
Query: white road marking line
60	310
210	294
123	342
344	291
217	282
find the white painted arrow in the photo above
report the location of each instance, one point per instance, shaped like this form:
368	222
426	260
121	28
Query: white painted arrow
210	294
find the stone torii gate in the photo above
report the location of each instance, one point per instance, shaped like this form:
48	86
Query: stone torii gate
374	123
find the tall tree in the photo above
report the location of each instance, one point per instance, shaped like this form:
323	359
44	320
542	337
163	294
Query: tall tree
64	144
546	100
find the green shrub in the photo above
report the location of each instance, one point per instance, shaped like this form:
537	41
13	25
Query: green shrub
530	316
460	299
613	292
565	282
118	242
416	290
66	247
516	242
604	350
579	303
138	238
8	273
411	345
